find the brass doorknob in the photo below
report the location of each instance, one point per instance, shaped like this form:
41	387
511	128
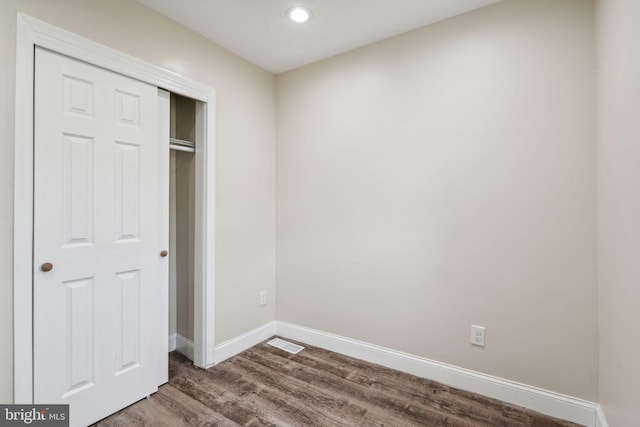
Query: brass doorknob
47	266
164	253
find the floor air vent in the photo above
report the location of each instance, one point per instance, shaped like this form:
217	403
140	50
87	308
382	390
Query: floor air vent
286	346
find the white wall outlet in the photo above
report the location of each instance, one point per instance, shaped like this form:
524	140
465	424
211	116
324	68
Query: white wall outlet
477	335
263	298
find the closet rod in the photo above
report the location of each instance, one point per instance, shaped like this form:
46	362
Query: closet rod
181	145
181	148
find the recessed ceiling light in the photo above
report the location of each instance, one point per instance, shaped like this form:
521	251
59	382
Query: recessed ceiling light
299	14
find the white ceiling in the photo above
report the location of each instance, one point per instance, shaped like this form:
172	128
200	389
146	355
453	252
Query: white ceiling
259	31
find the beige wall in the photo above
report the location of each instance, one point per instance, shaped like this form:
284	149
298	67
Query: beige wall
618	91
184	240
446	177
245	148
182	219
173	262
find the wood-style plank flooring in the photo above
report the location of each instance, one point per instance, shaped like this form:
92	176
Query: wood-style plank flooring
265	386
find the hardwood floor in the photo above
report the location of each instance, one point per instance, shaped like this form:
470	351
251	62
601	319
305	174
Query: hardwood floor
265	386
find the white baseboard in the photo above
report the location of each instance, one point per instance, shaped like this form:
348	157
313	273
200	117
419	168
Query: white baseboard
243	342
172	342
601	421
184	346
543	401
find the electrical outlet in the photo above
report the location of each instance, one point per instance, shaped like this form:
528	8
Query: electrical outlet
263	298
477	335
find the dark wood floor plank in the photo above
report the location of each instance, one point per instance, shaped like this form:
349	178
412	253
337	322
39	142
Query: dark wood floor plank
317	406
245	398
168	407
256	396
265	386
223	402
334	408
430	393
400	411
427	393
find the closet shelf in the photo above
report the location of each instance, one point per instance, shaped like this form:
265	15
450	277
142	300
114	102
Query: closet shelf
182	145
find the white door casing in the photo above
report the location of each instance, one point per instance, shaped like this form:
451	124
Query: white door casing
32	33
99	219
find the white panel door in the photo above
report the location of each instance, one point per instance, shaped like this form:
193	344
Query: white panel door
100	328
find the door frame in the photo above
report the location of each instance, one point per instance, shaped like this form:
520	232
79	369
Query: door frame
32	32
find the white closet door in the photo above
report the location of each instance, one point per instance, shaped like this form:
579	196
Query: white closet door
100	328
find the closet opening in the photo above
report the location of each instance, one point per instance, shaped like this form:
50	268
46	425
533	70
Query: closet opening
182	188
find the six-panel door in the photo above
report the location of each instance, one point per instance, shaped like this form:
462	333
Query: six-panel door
99	337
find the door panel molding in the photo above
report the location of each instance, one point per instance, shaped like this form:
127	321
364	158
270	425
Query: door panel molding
32	32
